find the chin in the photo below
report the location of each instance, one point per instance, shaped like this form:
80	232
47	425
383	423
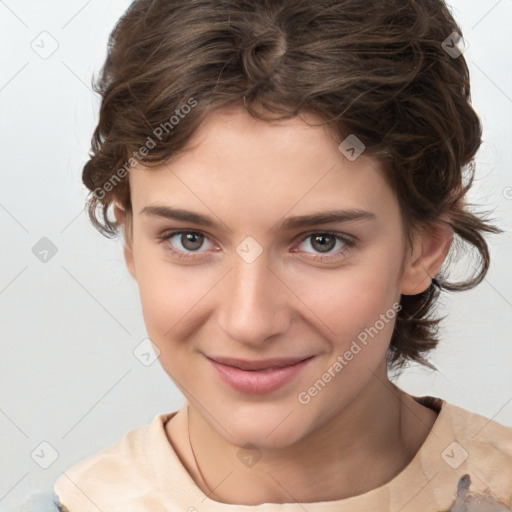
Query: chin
264	428
262	441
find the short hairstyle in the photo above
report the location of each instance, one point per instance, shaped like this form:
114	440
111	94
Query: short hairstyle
378	70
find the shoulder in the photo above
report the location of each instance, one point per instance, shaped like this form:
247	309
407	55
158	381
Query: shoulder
465	463
484	436
474	456
481	434
123	467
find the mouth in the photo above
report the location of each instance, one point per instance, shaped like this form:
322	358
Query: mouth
258	377
261	365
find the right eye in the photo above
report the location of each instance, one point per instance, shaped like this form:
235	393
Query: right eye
190	242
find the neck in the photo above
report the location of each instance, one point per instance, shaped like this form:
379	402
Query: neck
364	446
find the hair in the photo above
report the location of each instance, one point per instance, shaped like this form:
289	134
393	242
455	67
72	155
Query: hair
376	70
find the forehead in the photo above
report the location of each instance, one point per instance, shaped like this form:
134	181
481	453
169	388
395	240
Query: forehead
237	161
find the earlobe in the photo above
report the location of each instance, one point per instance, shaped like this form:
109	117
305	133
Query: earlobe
430	250
121	220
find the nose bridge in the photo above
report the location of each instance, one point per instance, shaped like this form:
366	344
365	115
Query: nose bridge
252	307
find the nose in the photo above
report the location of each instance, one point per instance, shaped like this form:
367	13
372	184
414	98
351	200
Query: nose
255	303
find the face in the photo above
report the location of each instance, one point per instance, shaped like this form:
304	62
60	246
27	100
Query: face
256	281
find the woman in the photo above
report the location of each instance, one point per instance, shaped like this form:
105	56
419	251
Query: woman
290	178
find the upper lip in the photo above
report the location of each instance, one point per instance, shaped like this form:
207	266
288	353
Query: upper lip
263	364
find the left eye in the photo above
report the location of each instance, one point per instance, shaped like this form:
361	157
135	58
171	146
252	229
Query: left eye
325	243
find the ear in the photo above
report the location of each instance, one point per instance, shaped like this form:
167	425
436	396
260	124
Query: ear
121	220
430	248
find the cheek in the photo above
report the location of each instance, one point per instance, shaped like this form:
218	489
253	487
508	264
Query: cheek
347	301
171	296
359	307
342	303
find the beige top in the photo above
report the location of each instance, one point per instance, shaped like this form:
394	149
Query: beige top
464	464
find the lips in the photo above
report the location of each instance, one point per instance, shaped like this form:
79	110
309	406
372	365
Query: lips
258	377
265	364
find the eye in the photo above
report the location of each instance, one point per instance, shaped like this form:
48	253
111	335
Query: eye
187	244
325	242
184	244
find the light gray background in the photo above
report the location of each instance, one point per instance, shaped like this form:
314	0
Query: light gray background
69	326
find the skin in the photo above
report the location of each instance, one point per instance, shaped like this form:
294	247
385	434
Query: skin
358	432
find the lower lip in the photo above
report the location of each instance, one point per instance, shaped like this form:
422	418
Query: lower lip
258	382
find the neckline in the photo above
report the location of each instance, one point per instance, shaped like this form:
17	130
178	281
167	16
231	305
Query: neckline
168	477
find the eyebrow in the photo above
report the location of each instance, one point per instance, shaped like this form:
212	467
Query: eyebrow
314	219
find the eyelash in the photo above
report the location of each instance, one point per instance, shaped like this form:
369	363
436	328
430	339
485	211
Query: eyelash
349	244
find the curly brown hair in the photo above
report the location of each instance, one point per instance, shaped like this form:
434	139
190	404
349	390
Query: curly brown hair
379	70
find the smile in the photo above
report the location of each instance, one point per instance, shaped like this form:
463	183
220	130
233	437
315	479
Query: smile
258	377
